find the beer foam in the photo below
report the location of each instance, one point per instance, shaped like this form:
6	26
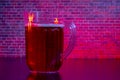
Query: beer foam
47	25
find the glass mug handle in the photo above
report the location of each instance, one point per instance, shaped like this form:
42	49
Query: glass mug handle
72	41
70	47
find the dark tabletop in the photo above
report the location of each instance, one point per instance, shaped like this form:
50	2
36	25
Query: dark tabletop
15	68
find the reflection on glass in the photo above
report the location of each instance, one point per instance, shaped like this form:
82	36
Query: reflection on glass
44	76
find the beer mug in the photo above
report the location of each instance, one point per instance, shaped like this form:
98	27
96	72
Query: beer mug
45	46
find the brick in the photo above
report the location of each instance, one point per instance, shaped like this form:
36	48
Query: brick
96	21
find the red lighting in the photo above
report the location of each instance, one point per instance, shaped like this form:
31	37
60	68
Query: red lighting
56	21
30	20
30	17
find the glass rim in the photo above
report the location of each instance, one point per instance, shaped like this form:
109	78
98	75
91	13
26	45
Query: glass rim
46	25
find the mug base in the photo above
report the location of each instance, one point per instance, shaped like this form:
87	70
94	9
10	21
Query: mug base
49	72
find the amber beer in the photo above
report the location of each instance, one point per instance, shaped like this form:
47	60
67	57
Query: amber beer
44	47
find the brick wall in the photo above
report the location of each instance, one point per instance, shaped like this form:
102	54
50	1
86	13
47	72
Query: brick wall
97	21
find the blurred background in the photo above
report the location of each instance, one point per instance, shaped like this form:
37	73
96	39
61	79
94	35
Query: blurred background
97	23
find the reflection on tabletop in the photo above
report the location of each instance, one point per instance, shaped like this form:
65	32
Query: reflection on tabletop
44	76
